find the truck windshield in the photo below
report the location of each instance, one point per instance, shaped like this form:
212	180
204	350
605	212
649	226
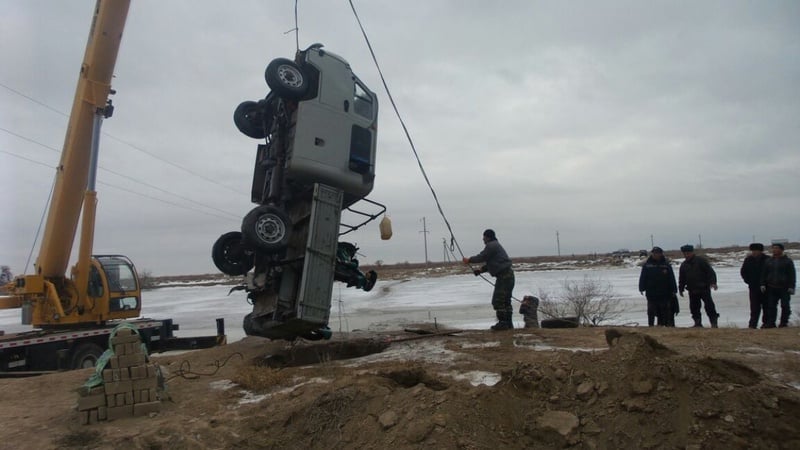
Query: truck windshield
119	272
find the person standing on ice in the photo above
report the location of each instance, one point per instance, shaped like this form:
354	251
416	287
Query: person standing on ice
752	270
778	282
698	277
657	282
498	264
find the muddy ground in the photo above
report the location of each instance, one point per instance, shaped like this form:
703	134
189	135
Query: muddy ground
580	388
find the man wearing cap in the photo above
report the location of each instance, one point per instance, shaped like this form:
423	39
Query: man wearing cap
657	282
752	270
495	260
778	282
698	277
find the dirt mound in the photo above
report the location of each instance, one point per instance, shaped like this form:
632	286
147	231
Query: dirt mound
580	388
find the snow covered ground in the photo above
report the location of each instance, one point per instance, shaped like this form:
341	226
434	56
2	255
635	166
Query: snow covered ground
461	301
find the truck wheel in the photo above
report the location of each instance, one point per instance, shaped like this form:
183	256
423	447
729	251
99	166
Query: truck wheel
267	228
286	79
230	255
248	118
85	355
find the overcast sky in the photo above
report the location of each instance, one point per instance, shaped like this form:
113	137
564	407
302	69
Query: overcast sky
606	121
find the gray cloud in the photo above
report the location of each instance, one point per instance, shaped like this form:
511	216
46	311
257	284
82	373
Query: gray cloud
607	122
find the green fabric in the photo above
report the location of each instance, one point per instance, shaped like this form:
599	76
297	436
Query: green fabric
96	379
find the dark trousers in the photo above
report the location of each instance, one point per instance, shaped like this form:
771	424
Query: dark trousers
775	296
758	302
501	297
660	309
695	297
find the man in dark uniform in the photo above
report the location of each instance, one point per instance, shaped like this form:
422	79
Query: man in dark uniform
498	264
752	270
778	282
657	282
698	277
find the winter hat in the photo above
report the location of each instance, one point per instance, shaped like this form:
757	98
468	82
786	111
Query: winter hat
757	246
489	233
687	248
657	249
778	244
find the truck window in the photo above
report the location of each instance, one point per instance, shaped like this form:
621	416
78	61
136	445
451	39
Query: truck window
362	101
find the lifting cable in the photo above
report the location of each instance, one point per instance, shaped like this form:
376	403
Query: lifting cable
453	241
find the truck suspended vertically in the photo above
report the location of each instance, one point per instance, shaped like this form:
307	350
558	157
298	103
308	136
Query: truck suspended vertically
319	127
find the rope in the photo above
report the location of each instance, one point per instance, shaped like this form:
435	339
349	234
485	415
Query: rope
185	369
453	240
41	221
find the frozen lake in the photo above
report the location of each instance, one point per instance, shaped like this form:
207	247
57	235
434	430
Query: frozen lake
461	301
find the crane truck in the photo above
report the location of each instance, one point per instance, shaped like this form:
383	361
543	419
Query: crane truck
73	315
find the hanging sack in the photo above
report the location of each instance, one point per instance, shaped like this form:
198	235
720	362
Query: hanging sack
386	228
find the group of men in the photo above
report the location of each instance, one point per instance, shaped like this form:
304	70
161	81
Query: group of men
771	281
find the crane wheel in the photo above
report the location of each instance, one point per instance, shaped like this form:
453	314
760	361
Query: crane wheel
230	255
286	79
266	228
85	355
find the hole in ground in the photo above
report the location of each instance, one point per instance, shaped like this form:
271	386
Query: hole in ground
416	375
325	352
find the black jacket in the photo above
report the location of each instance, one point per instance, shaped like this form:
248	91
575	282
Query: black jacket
657	278
696	275
495	257
753	269
779	273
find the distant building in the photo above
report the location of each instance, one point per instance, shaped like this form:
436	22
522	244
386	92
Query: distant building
780	241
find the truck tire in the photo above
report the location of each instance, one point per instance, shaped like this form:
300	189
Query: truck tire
286	79
230	255
249	120
85	355
266	228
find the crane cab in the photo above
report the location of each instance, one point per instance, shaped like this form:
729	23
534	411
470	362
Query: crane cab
114	283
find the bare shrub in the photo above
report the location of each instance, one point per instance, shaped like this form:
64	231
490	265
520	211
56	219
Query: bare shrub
591	300
146	279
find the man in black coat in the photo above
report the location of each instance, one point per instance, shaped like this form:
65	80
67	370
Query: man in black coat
778	282
752	270
495	260
698	277
657	282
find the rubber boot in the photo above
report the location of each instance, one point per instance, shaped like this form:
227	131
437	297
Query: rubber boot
714	320
698	323
503	322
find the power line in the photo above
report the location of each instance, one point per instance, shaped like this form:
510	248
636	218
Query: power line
33	141
122	141
127	190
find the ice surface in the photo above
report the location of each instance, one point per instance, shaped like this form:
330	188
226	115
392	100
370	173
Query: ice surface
461	301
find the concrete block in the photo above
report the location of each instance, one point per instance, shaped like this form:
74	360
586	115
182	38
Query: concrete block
120	399
113	362
124	374
125	332
102	413
108	375
129	398
131	360
137	396
111	400
134	348
127	339
119	386
120	412
121	349
138	372
84	417
96	390
93	416
143	409
91	401
145	383
152	371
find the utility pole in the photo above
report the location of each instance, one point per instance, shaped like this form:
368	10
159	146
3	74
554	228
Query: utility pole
446	257
652	244
425	234
558	243
700	240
